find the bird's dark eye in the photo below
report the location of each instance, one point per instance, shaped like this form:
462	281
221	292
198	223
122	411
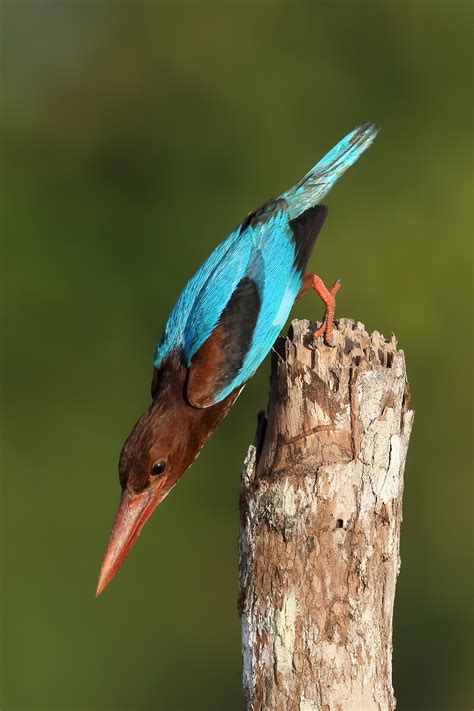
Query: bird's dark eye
158	467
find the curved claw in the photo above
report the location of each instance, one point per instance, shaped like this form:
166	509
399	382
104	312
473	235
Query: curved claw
313	281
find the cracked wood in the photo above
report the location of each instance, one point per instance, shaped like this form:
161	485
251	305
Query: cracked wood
321	507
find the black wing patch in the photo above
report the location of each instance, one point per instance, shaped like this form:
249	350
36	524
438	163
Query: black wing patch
220	358
305	230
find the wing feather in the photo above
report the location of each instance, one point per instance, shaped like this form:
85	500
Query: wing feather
253	315
232	310
220	358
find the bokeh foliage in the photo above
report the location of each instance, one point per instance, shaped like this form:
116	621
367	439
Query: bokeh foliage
135	136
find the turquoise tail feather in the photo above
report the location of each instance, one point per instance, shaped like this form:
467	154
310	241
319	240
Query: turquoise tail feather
315	185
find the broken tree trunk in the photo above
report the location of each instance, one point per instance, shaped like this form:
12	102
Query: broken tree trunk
321	506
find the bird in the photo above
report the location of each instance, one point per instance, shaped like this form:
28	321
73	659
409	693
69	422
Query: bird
223	325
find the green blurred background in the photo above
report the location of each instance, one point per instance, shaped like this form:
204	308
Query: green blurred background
135	137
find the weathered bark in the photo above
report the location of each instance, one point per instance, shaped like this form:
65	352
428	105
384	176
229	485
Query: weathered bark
321	506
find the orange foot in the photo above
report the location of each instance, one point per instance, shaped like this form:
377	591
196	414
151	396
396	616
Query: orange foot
312	281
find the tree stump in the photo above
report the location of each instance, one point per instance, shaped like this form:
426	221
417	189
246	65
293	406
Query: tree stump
321	507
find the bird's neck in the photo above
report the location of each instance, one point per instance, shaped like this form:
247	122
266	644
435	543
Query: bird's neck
193	424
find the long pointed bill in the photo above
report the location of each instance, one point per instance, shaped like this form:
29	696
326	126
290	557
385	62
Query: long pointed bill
132	514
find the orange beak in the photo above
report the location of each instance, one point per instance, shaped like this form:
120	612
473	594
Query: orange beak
133	512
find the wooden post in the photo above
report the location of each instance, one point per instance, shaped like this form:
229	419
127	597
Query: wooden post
321	506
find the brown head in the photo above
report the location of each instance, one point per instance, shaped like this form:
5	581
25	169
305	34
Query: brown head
163	444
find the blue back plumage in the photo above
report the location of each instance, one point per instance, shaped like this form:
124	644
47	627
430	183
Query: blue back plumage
272	269
265	252
177	331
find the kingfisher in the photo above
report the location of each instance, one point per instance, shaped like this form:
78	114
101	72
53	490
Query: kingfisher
223	325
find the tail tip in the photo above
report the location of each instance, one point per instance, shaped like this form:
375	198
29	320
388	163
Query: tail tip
369	128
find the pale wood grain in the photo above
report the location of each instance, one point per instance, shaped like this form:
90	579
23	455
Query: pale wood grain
321	507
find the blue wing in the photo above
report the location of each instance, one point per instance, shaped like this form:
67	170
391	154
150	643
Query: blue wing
246	301
175	330
260	267
230	313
